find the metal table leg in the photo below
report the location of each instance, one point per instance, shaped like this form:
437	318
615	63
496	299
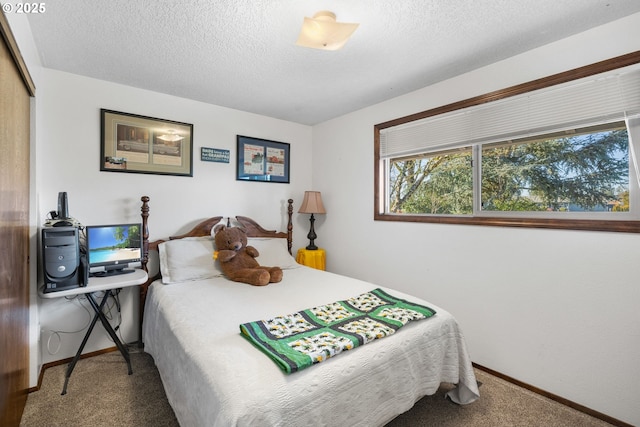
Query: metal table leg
107	326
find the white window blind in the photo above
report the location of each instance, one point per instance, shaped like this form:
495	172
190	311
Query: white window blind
593	100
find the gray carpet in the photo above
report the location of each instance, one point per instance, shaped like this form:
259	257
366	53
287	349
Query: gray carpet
100	393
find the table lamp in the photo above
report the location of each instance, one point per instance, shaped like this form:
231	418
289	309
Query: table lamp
312	204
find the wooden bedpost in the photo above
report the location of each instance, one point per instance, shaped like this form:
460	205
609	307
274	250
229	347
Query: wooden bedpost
145	232
290	225
145	259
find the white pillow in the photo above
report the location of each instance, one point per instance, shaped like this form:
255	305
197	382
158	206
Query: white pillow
187	259
273	252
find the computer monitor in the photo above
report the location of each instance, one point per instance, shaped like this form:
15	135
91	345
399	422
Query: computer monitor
114	248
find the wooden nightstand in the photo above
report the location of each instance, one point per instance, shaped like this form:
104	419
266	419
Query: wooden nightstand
312	258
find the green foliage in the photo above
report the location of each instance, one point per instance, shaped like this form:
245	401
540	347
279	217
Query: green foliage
129	241
436	185
623	205
589	171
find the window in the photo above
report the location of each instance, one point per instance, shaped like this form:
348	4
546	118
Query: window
581	171
436	183
558	155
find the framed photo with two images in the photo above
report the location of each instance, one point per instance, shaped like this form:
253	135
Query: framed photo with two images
140	144
262	160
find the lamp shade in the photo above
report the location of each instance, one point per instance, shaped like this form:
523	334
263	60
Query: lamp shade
323	32
312	203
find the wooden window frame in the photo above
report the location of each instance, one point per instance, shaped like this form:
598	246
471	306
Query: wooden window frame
625	226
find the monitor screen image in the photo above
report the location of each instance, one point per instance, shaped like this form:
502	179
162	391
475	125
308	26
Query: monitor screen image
113	249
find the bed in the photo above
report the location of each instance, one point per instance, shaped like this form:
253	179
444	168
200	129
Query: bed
215	376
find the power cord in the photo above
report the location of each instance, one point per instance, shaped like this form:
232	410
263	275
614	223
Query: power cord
58	333
112	304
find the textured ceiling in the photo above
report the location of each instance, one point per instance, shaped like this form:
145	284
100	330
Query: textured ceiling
242	54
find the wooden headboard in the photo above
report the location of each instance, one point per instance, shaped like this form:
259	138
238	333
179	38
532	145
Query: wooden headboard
203	229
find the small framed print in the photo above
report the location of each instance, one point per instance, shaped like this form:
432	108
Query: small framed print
217	155
139	144
262	160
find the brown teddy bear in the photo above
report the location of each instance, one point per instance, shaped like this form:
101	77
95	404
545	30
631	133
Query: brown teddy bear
238	260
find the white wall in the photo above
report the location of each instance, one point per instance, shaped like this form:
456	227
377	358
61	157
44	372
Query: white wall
68	158
555	309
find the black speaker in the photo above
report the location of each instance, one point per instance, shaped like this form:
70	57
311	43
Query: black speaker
61	262
63	205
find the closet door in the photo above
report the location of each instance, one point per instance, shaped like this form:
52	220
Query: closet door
14	229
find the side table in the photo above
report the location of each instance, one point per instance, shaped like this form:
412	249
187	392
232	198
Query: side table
312	258
99	284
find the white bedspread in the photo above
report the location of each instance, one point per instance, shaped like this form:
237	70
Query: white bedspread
214	377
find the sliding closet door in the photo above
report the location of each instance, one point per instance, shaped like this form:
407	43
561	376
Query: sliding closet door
14	231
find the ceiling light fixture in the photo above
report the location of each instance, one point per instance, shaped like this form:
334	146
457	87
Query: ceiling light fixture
323	32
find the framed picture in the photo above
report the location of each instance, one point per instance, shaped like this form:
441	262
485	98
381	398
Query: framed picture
139	144
262	160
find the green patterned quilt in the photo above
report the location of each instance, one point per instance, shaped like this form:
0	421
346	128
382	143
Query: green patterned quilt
299	340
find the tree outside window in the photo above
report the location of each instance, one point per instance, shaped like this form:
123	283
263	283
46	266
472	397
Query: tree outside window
584	171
